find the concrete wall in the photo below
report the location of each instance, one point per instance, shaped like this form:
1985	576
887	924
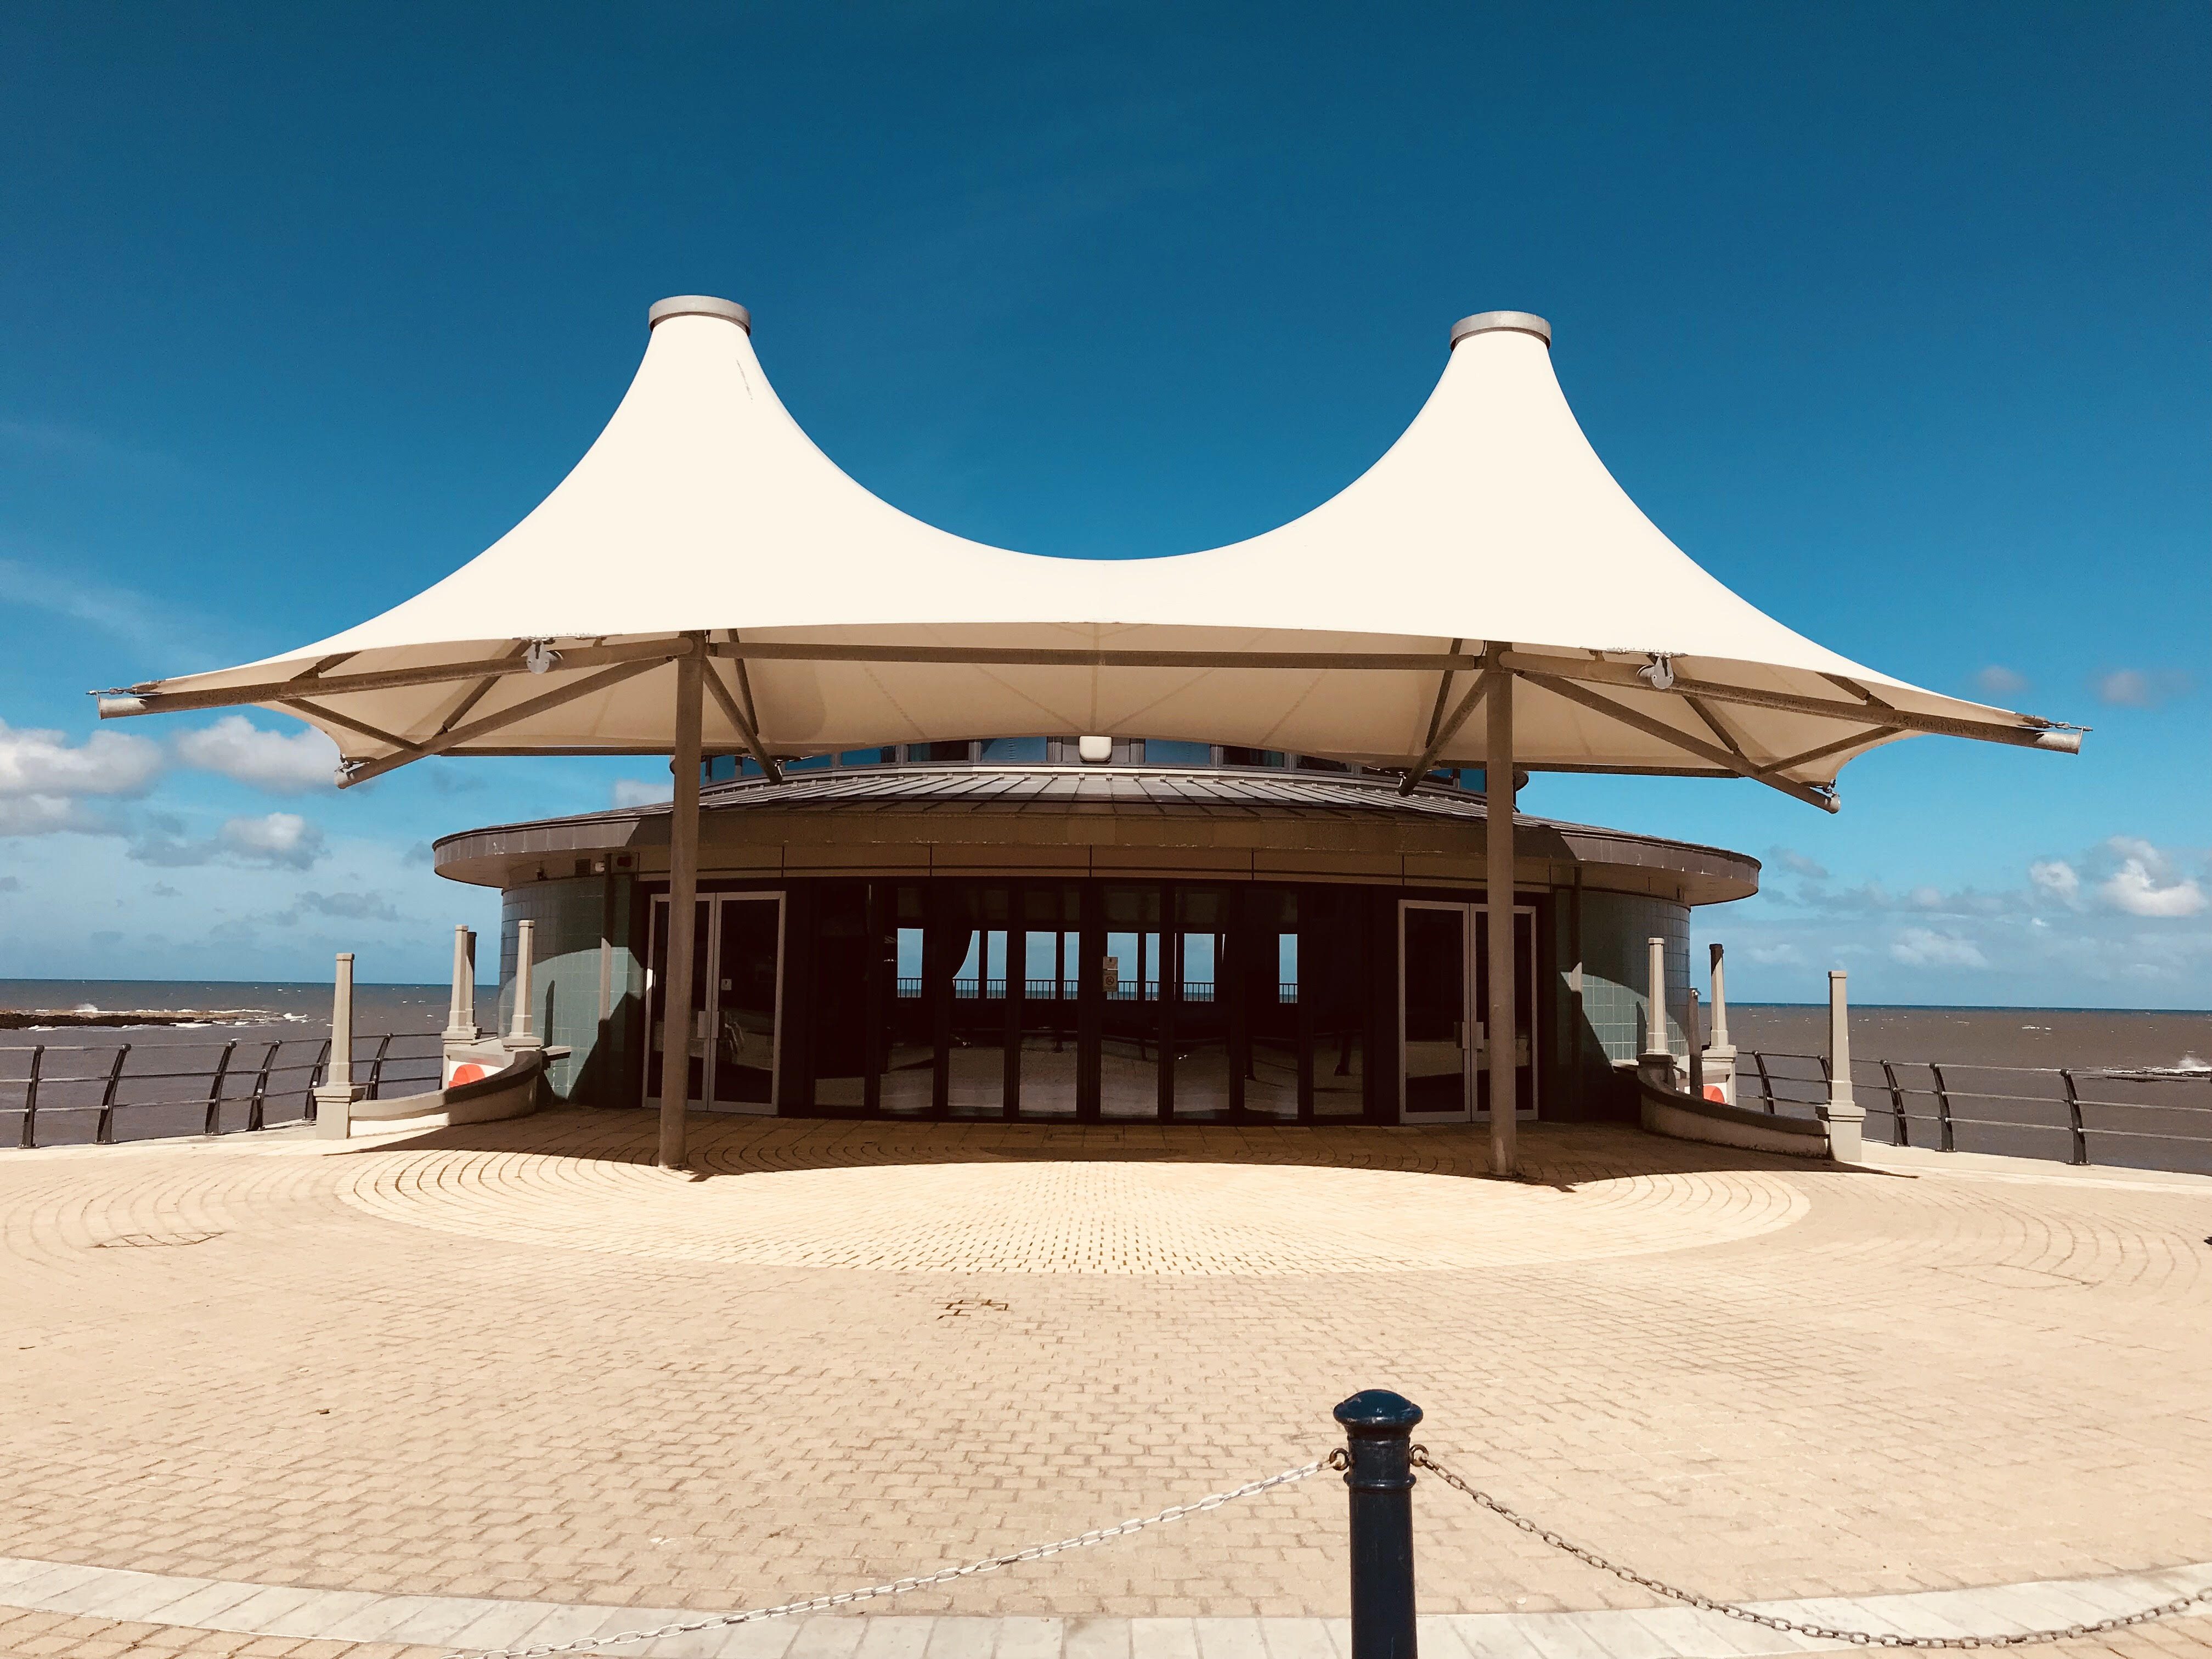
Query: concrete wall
573	916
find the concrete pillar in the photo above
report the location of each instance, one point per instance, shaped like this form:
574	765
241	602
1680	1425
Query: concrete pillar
461	1017
1657	1063
336	1094
1720	1053
1498	804
682	902
524	1032
1843	1114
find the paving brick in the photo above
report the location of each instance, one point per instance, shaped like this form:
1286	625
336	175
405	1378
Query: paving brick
515	1361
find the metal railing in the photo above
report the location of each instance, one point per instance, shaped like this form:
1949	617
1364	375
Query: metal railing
909	989
68	1094
2067	1112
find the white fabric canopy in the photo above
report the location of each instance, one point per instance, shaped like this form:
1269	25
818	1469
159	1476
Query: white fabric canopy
703	511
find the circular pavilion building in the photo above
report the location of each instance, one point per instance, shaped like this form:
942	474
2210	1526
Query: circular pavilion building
1174	931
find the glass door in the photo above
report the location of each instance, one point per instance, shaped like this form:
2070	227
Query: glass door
1443	998
736	1014
1436	1031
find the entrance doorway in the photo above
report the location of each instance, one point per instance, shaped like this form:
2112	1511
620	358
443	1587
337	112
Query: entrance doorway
736	1018
1443	1001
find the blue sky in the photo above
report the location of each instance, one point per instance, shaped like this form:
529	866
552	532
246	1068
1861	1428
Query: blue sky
1892	316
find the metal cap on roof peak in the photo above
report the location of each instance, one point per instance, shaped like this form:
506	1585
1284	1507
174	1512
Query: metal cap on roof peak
1490	322
699	305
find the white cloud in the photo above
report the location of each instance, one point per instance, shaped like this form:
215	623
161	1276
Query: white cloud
2137	687
44	764
633	791
2056	879
280	838
348	906
1922	947
283	763
278	841
1790	859
1776	955
1998	681
47	815
2145	885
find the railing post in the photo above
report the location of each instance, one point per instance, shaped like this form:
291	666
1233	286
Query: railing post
257	1107
1379	1426
2074	1117
376	1066
1766	1080
1899	1136
1943	1105
214	1124
105	1134
30	1136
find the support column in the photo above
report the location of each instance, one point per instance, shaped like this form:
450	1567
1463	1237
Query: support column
1657	1063
523	1032
1498	798
683	905
1843	1114
336	1094
1720	1053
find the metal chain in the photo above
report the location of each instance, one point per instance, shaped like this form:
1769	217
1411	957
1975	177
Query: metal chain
900	1586
1823	1632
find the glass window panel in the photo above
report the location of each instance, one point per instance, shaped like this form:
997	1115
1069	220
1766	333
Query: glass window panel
1268	986
1200	1015
1016	751
910	1057
976	1060
1337	929
845	1043
1048	1011
1128	1075
656	1003
1161	751
746	970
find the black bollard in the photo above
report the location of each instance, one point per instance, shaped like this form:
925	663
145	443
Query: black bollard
1379	1426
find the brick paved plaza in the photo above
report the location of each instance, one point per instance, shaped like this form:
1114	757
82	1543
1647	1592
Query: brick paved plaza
517	1362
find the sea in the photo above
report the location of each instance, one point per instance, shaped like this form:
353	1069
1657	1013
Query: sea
1975	1079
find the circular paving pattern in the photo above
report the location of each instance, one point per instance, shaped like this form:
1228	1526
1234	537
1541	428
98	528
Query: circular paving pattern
1088	1217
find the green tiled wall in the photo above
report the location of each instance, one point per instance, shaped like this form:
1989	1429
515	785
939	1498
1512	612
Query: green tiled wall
1615	926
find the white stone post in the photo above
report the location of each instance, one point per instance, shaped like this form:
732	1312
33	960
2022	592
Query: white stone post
525	1033
336	1094
1843	1114
461	1017
1720	1053
1656	1064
